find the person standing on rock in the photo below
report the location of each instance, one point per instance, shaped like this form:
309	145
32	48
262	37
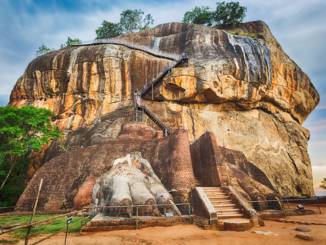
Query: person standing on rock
137	104
137	98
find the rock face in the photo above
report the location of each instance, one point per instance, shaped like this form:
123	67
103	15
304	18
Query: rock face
244	90
116	173
81	169
214	165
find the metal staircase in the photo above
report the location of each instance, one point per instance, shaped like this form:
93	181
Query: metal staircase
140	109
154	118
149	86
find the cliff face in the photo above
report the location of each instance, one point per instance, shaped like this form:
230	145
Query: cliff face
245	90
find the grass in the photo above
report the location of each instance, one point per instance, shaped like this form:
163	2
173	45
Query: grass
5	241
246	34
55	226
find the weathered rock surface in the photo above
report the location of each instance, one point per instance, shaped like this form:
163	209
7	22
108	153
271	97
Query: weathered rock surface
246	91
148	170
69	178
132	181
219	166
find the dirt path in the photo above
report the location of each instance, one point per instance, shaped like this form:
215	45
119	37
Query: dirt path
190	234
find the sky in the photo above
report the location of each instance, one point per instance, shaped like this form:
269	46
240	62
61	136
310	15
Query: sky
299	26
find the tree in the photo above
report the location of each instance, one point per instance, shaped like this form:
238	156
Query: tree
323	183
22	131
148	21
42	50
229	13
108	30
132	20
199	15
71	41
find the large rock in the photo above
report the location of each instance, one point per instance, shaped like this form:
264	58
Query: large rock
215	165
69	178
243	88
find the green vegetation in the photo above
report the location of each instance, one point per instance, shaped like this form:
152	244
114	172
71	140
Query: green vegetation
247	34
134	20
108	30
22	131
5	241
71	41
226	13
131	20
198	15
43	50
55	226
323	183
230	13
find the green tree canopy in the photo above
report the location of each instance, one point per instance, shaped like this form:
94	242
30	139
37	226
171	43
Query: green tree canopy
108	30
42	50
226	13
71	41
22	130
229	13
131	20
199	15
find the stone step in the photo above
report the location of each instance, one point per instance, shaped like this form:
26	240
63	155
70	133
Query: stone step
229	215
217	196
213	191
236	224
221	210
225	205
218	204
220	201
214	198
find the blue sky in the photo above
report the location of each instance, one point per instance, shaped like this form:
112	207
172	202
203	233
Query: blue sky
298	25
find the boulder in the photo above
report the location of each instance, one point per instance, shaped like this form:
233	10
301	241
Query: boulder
304	236
238	84
303	229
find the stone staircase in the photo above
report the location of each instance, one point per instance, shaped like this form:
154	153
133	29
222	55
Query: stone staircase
229	215
222	203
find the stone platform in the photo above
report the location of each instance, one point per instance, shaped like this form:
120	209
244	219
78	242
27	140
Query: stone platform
236	224
109	223
231	224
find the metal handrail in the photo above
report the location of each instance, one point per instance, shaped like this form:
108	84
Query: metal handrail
131	45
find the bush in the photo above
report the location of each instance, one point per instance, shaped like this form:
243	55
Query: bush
71	41
43	50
